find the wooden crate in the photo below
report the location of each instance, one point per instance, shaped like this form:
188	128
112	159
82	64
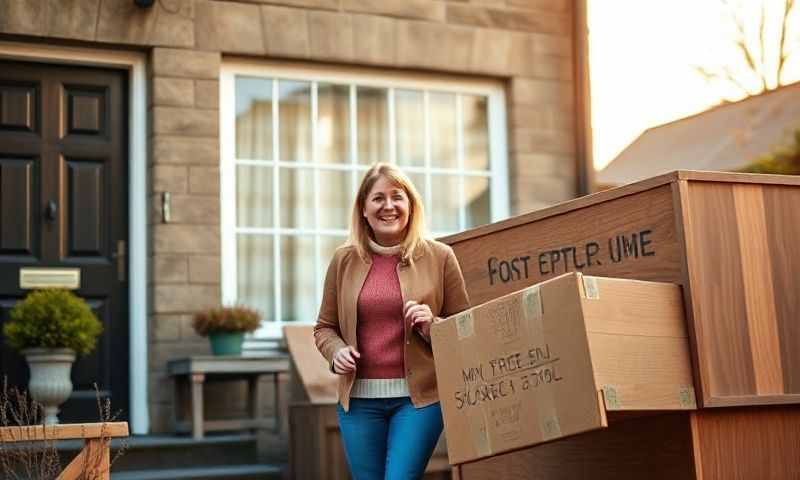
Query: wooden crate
557	359
731	240
760	442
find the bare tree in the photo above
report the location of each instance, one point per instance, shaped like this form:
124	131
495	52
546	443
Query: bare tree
754	52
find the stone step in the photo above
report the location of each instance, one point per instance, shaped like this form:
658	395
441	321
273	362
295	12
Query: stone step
242	472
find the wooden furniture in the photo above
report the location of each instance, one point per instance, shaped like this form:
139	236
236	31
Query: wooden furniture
556	359
735	443
193	372
315	444
730	240
94	460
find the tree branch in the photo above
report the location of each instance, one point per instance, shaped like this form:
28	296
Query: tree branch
783	54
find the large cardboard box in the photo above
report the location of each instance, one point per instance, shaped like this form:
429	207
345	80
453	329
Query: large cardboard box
557	359
730	240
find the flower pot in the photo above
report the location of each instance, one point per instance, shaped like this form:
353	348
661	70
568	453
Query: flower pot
226	343
50	383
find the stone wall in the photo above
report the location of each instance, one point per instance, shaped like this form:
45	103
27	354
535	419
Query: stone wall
527	43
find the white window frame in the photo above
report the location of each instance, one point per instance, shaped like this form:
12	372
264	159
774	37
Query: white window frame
498	156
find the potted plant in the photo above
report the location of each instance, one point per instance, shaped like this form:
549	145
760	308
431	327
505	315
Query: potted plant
225	327
50	327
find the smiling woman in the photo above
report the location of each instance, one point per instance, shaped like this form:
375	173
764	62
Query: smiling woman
382	293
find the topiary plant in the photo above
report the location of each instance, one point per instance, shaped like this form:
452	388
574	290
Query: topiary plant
53	318
233	319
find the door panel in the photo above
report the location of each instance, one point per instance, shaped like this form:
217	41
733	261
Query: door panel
16	206
63	193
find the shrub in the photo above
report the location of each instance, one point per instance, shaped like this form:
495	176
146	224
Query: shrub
233	319
53	318
784	159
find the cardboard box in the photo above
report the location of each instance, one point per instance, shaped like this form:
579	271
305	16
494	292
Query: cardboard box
730	240
556	359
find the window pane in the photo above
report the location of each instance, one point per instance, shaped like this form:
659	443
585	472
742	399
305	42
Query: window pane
444	203
410	124
254	196
418	179
477	201
373	125
333	127
255	263
443	130
298	296
294	107
476	132
296	198
334	199
328	245
253	118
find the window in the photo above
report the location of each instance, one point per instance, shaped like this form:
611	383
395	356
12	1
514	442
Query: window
295	142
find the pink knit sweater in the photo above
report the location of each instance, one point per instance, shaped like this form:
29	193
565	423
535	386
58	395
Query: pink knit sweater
380	321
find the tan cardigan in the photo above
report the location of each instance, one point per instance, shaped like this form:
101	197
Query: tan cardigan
433	278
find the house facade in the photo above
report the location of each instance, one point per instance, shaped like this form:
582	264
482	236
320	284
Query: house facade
175	154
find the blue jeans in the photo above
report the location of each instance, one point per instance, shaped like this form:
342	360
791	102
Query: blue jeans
389	438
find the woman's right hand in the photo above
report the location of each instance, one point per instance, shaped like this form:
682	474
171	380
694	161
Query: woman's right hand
344	360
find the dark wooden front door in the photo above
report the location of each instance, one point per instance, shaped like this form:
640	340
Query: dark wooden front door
64	203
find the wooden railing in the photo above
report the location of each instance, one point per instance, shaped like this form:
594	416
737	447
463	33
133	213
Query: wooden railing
94	460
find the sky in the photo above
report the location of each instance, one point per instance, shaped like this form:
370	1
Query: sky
641	55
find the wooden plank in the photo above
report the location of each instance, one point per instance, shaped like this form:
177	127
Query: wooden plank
733	177
719	310
680	199
656	447
64	432
745	443
98	457
758	290
321	385
783	224
641	244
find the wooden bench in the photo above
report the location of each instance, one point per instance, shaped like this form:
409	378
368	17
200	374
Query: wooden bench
196	371
94	460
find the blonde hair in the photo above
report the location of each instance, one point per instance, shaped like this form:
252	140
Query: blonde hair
361	232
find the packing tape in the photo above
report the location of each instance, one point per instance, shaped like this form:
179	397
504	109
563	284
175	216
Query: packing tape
532	303
590	288
687	397
550	427
611	397
479	432
465	326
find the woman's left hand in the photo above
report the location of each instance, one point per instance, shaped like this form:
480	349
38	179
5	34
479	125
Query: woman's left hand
420	317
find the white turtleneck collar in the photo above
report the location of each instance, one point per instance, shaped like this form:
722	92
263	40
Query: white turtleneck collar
385	251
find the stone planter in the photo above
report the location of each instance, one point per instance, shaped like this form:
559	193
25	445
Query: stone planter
226	343
50	383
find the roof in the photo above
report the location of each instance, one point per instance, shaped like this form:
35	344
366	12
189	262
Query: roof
722	138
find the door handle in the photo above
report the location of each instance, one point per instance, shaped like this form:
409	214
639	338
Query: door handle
50	211
119	256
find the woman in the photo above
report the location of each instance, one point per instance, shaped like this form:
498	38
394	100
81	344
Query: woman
383	290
